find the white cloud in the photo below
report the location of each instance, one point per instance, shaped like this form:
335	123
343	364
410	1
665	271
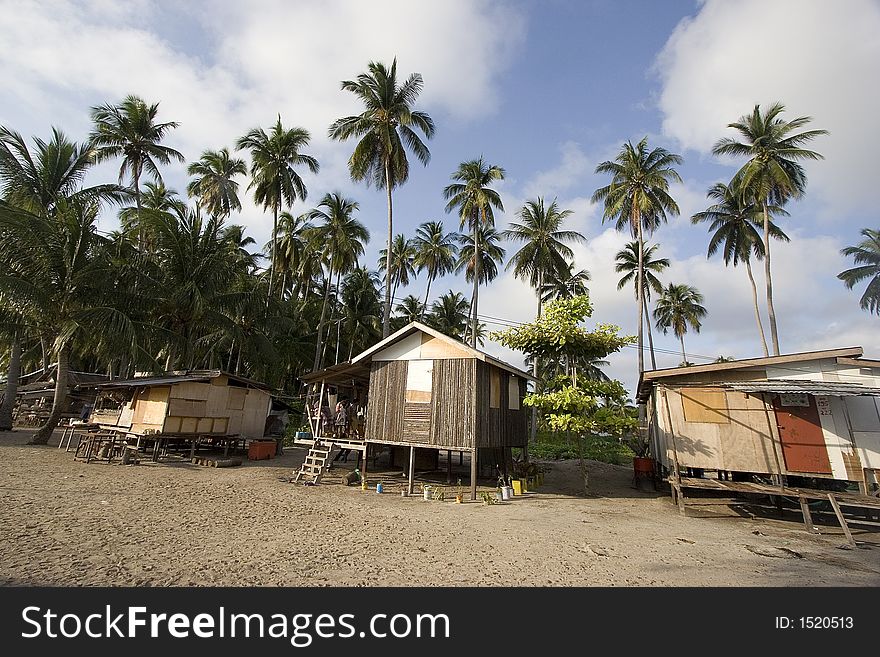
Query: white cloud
819	58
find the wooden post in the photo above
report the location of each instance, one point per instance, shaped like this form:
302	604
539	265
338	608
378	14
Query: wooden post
805	509
412	468
364	462
192	448
448	466
780	475
474	473
841	519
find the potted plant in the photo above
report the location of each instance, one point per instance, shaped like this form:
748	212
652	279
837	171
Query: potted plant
643	464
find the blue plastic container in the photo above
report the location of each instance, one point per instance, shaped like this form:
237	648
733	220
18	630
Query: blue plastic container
378	488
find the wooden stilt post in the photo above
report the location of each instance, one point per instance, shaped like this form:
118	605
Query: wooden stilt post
808	517
412	469
841	519
448	466
192	448
364	462
474	473
461	458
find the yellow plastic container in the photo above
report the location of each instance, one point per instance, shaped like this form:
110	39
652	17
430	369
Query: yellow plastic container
517	486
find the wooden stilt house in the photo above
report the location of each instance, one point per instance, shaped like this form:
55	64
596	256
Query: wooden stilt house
427	390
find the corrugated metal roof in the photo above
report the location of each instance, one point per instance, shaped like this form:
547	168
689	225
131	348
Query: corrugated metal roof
802	386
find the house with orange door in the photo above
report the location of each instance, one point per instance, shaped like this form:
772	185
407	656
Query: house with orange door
795	420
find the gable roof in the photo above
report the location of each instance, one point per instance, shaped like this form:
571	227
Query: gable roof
365	356
171	378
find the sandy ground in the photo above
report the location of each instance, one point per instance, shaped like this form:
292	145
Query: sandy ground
68	523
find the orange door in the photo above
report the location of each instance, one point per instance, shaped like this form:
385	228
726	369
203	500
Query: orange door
803	444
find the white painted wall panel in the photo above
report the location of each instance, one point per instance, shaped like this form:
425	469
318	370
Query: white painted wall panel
407	349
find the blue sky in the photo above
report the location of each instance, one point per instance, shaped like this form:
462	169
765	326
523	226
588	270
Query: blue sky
547	90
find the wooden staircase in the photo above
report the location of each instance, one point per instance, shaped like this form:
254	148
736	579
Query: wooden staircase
315	463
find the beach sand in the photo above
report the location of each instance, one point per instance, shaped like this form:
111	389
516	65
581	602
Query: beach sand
64	522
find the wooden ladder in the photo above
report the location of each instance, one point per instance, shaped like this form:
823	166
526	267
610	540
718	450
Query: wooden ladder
315	463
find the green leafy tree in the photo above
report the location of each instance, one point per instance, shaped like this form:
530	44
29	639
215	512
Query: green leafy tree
735	219
449	315
575	406
866	255
274	178
410	309
679	307
773	173
436	252
638	200
475	201
362	310
388	126
403	254
627	260
214	183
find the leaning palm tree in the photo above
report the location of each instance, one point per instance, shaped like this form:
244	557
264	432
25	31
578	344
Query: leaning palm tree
867	256
735	219
628	264
773	174
274	178
387	124
565	284
638	199
436	252
214	182
678	307
341	239
471	195
402	259
130	131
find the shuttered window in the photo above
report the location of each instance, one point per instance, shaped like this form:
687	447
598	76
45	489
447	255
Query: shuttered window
704	405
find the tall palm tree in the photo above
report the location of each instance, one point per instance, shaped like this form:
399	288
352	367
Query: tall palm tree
362	309
638	199
490	255
772	174
436	252
735	219
678	307
214	183
387	125
867	256
410	309
475	201
341	238
402	260
291	249
449	315
628	264
130	131
543	254
274	178
565	284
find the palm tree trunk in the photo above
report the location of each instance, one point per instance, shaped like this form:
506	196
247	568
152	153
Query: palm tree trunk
386	312
45	353
231	352
476	282
650	334
274	240
136	178
533	433
771	311
338	318
283	284
641	289
757	310
317	364
684	358
427	293
59	401
13	374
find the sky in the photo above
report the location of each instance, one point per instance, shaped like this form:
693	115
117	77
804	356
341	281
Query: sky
546	90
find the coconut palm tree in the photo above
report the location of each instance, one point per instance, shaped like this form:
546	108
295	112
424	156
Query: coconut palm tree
341	239
362	309
773	173
214	182
410	309
449	315
475	201
385	129
638	199
544	252
403	255
628	263
292	247
436	252
565	284
867	256
678	307
735	219
130	131
56	275
491	254
274	178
